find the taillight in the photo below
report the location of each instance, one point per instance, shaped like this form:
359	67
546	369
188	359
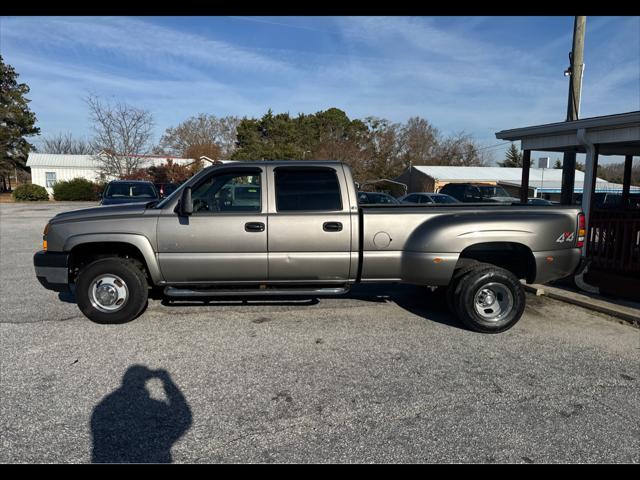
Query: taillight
44	236
581	230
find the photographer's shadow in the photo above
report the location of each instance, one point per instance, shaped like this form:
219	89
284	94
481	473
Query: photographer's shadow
129	426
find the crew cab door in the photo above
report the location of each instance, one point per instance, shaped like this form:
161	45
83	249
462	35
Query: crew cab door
225	238
309	224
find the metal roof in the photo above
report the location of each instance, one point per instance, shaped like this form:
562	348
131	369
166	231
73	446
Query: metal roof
492	174
605	121
54	160
555	186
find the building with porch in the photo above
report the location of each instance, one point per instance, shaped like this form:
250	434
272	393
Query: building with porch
543	182
612	249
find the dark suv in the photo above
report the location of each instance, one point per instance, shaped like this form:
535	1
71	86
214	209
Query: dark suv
472	192
129	191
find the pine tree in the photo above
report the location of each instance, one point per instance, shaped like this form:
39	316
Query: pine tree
558	164
513	157
16	120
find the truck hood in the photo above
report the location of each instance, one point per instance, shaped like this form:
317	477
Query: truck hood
120	201
128	209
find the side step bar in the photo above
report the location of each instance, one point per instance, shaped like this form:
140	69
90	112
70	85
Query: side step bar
263	292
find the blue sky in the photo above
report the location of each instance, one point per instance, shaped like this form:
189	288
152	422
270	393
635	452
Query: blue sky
477	74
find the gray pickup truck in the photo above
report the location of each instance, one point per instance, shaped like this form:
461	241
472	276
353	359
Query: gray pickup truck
295	228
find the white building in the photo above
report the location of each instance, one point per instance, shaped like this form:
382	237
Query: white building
49	168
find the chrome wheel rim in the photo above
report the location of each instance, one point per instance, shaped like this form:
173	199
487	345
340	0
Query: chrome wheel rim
108	293
493	301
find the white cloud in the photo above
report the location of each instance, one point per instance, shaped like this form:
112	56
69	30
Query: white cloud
458	78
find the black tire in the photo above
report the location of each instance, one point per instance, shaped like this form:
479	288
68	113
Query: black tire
457	276
134	281
508	295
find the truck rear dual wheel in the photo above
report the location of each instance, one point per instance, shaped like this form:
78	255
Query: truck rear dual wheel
111	290
487	298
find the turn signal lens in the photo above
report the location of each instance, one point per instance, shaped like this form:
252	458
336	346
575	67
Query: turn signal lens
44	236
581	231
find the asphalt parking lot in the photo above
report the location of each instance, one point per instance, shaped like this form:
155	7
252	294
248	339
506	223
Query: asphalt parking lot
382	375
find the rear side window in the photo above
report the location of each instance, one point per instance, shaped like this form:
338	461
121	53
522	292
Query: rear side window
299	189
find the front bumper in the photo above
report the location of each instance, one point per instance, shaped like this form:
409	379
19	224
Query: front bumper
52	270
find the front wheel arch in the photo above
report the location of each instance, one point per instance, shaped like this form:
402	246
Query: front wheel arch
123	279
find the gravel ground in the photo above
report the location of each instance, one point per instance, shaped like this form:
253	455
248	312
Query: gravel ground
381	375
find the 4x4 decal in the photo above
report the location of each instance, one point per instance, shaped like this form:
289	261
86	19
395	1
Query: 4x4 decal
566	237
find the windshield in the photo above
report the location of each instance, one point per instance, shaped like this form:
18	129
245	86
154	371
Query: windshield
493	191
124	190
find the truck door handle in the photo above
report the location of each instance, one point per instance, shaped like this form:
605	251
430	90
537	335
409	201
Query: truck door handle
254	227
332	226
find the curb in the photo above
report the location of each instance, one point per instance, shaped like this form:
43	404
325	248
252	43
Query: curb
628	314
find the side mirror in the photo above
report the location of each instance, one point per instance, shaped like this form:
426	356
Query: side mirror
186	204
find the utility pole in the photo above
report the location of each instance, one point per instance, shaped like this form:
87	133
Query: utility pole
574	72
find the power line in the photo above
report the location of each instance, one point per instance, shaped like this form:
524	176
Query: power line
494	146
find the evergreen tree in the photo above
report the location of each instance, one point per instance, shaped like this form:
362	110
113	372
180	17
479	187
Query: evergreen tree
16	122
513	157
558	164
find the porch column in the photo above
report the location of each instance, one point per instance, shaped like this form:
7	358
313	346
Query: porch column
589	188
524	184
626	182
568	178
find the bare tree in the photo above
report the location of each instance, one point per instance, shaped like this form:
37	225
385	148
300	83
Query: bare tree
419	142
460	149
208	135
65	143
123	135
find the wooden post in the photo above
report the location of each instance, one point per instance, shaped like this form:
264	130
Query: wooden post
596	154
626	182
524	184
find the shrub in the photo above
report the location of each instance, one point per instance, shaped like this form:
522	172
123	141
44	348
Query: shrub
30	192
98	189
75	189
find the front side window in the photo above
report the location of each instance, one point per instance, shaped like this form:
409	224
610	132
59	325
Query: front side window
228	192
307	189
50	179
492	191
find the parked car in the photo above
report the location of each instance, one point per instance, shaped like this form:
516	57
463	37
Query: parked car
376	198
540	201
166	189
423	197
611	200
473	192
295	228
129	191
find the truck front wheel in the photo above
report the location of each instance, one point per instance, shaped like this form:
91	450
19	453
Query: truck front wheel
489	299
111	290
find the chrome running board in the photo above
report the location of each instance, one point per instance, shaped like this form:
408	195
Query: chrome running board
255	292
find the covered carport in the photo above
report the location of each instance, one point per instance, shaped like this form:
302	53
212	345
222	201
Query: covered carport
612	249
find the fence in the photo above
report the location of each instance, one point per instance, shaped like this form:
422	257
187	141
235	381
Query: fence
613	241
